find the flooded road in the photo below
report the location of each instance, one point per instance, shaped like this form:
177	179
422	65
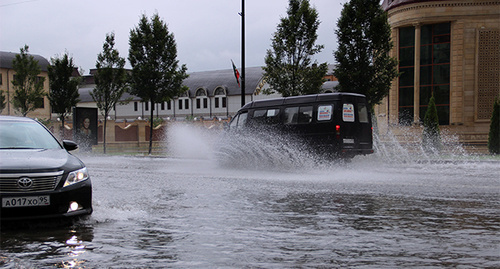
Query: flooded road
191	213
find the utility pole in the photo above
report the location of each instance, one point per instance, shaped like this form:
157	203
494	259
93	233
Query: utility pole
242	75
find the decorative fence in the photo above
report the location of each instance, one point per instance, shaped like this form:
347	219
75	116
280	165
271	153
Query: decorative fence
130	137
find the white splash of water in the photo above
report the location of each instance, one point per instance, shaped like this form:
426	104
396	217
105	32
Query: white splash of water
266	150
270	151
405	146
186	140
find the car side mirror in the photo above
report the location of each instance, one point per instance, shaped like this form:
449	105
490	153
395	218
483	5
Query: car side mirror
69	145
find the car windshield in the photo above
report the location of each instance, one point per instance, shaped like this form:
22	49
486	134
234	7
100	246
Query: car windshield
25	135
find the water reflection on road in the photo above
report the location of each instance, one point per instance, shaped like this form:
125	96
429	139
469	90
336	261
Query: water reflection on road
191	213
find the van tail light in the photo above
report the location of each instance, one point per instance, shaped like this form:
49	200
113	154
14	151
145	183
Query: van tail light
337	131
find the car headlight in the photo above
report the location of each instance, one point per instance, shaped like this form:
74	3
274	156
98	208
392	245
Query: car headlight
76	176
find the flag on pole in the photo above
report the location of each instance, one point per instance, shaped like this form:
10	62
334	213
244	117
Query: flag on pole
236	73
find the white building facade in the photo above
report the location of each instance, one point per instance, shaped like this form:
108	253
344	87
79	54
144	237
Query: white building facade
211	94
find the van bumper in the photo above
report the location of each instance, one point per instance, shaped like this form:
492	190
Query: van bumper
353	152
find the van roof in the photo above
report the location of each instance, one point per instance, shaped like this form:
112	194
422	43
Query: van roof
323	97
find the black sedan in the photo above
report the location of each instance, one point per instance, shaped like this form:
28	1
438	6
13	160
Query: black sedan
38	177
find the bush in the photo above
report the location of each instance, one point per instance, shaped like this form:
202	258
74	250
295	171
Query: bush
494	135
431	138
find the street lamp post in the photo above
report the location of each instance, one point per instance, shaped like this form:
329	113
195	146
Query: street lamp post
242	75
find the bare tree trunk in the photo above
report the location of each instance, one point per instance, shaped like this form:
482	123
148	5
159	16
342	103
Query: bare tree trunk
62	120
151	129
104	134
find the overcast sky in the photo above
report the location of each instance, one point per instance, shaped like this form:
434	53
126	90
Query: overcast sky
207	32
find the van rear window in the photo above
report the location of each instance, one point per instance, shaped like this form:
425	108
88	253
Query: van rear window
348	113
363	113
325	112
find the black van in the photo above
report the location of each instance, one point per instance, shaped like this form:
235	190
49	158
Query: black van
334	124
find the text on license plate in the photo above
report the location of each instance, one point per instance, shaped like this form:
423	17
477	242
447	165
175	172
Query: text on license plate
26	201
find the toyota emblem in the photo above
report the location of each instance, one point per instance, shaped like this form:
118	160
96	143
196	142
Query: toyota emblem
25	183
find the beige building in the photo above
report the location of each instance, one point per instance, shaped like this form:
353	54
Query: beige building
449	49
6	78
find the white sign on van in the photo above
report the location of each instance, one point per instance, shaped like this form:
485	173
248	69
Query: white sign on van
324	112
348	113
272	112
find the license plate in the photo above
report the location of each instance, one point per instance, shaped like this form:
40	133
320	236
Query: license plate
26	201
348	141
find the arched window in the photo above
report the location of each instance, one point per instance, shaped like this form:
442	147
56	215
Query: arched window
220	91
201	97
184	101
201	92
220	97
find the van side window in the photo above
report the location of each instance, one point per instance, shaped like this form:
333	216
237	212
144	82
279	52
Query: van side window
239	121
242	120
272	113
325	112
234	122
291	115
298	115
267	115
305	114
259	113
362	113
348	113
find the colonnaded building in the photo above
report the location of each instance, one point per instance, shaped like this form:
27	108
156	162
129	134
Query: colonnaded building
449	49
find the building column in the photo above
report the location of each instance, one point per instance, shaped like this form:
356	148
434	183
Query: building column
392	98
141	126
110	131
416	78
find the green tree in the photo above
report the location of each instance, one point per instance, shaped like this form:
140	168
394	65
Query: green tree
431	138
28	86
289	68
110	79
494	134
63	85
2	101
156	75
364	42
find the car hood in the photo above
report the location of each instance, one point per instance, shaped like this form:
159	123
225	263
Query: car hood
37	160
